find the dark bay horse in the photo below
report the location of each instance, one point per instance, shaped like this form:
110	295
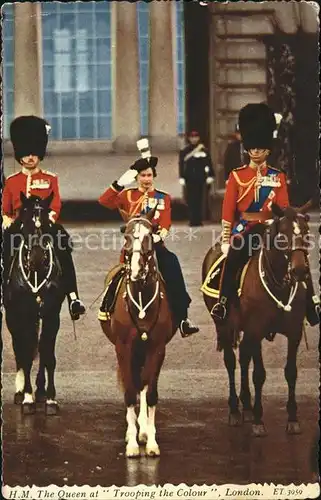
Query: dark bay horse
140	327
273	300
33	296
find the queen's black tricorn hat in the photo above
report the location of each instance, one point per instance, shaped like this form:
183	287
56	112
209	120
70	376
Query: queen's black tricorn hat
145	163
257	124
29	136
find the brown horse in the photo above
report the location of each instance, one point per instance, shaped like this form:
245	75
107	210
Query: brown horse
272	300
140	327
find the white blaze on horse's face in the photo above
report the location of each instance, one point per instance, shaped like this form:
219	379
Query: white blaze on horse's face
140	231
296	228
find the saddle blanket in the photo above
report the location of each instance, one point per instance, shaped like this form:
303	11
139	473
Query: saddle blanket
211	285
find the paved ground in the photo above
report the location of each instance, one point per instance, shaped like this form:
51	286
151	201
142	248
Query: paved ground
85	445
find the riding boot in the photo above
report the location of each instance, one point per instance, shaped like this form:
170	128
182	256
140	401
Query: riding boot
76	306
313	304
235	259
178	298
108	301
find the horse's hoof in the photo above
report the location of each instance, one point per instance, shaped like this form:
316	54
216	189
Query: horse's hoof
18	398
258	430
40	397
51	408
142	438
293	428
132	451
247	416
153	451
28	408
235	419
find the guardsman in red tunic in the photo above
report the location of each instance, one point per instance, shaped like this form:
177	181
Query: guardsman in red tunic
140	200
250	192
29	136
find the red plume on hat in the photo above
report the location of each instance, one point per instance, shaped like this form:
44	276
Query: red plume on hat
29	136
257	124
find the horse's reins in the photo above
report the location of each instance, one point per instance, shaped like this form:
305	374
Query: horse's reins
286	307
35	288
293	290
139	305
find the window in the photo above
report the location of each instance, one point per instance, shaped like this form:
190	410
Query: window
7	67
180	67
77	69
143	40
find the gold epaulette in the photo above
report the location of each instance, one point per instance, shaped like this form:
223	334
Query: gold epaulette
240	168
49	173
161	191
275	168
12	175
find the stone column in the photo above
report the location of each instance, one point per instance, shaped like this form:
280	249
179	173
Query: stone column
126	110
162	95
27	59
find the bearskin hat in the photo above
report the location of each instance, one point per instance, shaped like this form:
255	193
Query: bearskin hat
257	124
144	163
29	136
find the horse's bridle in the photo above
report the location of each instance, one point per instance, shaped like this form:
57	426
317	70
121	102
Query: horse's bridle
142	279
35	287
288	278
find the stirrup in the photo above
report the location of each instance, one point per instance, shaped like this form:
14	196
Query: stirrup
103	316
219	311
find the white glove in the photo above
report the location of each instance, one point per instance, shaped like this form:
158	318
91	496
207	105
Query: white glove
156	238
182	181
127	178
225	248
209	180
6	221
52	216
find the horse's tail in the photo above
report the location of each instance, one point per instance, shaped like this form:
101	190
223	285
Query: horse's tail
139	350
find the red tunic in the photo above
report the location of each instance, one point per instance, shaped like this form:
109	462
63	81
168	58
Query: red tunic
41	184
242	187
133	201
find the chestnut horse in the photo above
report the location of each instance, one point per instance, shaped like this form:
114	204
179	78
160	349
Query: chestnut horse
140	327
272	300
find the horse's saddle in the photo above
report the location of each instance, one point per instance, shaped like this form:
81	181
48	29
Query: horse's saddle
211	285
113	282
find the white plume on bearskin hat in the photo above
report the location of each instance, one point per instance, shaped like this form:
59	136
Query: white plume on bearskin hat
257	124
29	136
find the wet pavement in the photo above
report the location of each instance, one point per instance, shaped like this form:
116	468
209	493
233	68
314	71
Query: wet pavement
85	443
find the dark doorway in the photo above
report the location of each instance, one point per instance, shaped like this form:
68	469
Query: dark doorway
293	91
197	45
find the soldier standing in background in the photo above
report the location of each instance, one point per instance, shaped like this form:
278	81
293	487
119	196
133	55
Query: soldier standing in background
195	172
234	156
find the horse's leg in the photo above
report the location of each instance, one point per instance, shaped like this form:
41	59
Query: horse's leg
233	400
153	366
28	406
41	395
143	417
124	354
17	345
259	374
245	357
290	372
47	344
20	376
